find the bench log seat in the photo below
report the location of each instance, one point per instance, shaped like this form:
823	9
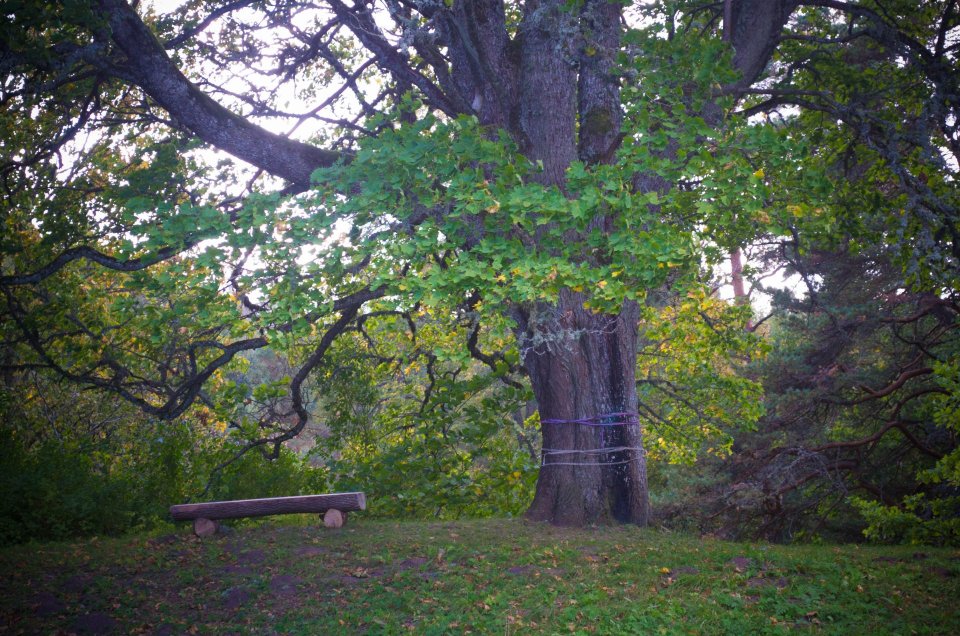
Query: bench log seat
204	515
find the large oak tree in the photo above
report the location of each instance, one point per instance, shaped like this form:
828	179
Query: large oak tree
458	139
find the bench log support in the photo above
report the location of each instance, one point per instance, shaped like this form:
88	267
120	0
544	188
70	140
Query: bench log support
205	527
334	518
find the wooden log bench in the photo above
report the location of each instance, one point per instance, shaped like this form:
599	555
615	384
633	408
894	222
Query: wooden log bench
334	508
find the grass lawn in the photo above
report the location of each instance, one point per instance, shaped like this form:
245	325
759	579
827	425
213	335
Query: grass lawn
492	576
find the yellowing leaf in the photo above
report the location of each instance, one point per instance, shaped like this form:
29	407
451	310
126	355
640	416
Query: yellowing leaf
759	174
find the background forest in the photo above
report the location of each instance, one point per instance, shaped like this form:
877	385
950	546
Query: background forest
176	326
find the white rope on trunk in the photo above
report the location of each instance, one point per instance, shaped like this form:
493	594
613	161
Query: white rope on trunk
548	452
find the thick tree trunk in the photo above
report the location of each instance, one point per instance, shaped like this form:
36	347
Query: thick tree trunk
582	369
581	365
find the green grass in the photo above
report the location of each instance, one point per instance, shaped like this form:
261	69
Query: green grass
493	576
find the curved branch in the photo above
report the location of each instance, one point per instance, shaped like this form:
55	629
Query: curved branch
90	254
296	383
898	382
489	360
178	401
206	22
864	441
154	72
360	22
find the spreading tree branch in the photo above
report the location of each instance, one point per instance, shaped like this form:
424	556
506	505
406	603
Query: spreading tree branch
146	61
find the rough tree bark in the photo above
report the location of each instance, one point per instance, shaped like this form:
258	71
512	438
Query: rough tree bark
582	367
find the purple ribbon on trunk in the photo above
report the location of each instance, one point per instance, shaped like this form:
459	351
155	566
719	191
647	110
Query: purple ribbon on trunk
608	419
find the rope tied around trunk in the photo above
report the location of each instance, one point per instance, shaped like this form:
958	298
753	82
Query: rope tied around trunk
622	418
549	452
607	419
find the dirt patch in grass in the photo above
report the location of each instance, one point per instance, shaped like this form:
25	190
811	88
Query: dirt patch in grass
46	604
683	570
311	551
93	623
740	563
943	573
284	584
164	540
414	563
250	557
77	583
235	598
762	581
